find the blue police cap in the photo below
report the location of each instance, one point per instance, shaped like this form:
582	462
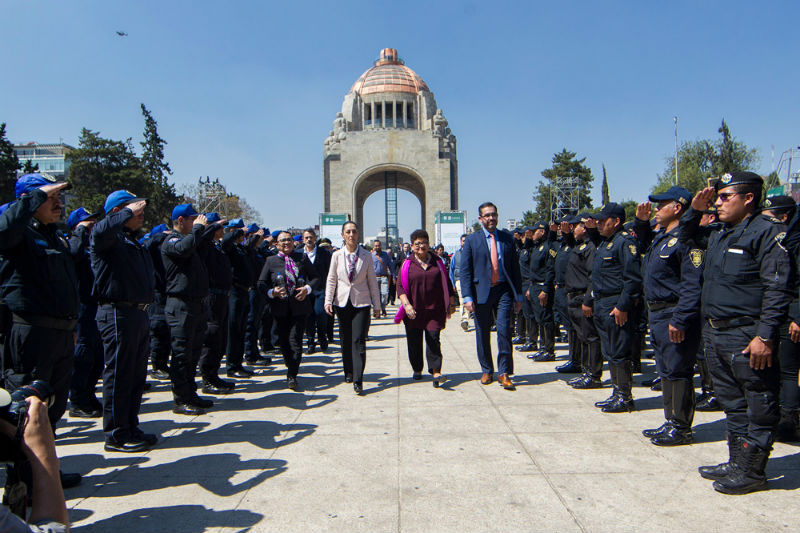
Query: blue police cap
29	182
275	233
266	231
252	228
572	219
236	223
184	210
212	217
78	216
611	210
585	215
161	228
119	199
528	228
673	194
298	238
541	224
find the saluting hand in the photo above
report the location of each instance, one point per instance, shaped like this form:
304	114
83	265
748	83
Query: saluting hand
703	199
643	211
590	223
54	188
760	353
565	228
201	219
137	207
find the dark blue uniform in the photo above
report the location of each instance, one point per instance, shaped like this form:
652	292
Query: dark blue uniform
159	329
257	329
123	287
560	267
577	284
243	274
216	336
527	328
541	278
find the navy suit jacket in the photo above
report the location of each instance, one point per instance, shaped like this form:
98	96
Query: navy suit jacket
476	266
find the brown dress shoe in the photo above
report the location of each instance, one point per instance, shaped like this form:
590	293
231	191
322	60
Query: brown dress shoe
503	380
486	379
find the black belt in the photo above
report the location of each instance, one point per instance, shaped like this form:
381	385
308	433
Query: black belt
49	322
242	287
729	323
218	292
658	306
129	305
573	294
605	294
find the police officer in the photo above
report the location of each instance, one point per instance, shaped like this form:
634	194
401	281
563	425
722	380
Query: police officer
187	288
524	319
561	314
258	303
672	284
216	337
707	400
616	285
123	286
239	303
744	303
160	347
88	364
541	278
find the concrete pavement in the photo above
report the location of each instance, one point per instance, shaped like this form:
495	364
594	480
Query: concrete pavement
410	458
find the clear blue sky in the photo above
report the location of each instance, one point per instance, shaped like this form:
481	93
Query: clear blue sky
246	91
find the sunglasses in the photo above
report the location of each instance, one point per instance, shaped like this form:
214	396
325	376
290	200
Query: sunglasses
725	196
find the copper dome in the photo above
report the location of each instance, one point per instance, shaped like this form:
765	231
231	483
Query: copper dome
389	75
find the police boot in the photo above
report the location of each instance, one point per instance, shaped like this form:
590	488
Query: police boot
636	352
583	355
615	388
527	347
723	469
680	431
594	372
624	402
787	427
666	396
532	327
519	330
573	366
747	474
707	401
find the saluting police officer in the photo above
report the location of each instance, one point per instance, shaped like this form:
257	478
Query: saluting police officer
616	285
239	303
563	249
123	286
672	284
526	334
745	298
160	347
541	277
187	288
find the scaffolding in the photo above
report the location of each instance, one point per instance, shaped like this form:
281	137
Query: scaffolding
390	189
211	197
565	197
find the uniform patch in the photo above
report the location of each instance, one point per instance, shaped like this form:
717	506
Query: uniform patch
726	178
541	247
632	248
175	239
610	245
696	256
553	253
779	239
582	247
672	242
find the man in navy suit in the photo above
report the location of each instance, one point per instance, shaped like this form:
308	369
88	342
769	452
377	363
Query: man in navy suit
317	324
490	281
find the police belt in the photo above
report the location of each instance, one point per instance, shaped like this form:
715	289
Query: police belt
218	292
43	321
242	287
574	294
128	305
659	305
605	294
728	323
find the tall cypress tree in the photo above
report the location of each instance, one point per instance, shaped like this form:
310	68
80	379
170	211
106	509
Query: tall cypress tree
606	196
164	197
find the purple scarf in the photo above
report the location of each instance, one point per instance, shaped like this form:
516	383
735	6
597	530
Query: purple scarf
401	313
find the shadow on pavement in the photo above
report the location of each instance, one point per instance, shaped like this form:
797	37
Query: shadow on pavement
175	519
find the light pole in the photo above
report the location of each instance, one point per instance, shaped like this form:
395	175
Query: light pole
675	118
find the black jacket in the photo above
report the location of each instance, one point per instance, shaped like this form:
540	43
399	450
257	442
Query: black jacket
266	281
187	277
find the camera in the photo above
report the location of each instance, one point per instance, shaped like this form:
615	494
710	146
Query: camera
14	410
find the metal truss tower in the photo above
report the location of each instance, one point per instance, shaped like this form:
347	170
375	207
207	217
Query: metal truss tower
565	197
390	188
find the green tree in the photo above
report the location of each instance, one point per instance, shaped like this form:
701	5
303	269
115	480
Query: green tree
9	164
605	193
528	218
700	160
30	167
211	195
565	165
163	197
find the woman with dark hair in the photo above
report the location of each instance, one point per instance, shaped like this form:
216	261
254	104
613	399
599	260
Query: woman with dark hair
428	299
350	289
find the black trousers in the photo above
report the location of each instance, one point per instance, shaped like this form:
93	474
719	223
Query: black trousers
187	326
216	336
583	325
615	341
433	349
88	364
560	312
124	331
748	396
317	322
353	326
159	333
268	330
41	353
674	361
789	362
290	339
239	306
251	336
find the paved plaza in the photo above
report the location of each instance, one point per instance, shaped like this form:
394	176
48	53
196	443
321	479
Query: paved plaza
411	458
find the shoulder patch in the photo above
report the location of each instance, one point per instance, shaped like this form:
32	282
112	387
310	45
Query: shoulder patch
779	239
553	252
696	256
632	248
541	247
672	242
174	239
582	247
610	245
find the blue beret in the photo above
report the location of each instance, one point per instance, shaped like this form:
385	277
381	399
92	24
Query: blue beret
212	217
183	210
266	231
236	223
79	215
28	182
298	238
119	198
276	233
252	228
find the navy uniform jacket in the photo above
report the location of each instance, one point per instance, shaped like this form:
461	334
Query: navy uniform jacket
38	275
242	271
617	270
578	277
524	254
123	271
218	265
562	261
284	306
153	245
476	266
187	276
79	249
541	265
749	271
673	272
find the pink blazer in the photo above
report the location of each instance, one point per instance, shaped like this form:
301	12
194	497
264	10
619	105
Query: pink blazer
363	291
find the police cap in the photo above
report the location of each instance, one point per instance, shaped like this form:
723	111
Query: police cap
275	233
611	210
184	210
779	203
252	228
739	178
236	223
161	228
674	194
118	199
78	216
540	225
29	182
212	217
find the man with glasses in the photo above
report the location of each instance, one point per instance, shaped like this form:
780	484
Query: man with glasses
384	271
317	326
744	301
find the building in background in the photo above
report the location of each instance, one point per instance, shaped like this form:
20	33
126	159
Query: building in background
51	158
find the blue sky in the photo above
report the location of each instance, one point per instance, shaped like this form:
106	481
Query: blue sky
246	90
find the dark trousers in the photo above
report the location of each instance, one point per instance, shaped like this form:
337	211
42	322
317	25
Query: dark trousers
187	326
317	322
290	339
674	361
353	326
251	335
88	365
615	341
560	312
748	396
216	336
124	331
583	325
543	314
159	334
789	362
239	306
433	349
501	300
268	331
41	353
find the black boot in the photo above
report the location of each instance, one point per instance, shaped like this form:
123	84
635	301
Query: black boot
748	472
723	469
624	402
637	343
615	390
787	427
573	366
680	432
707	401
594	367
666	396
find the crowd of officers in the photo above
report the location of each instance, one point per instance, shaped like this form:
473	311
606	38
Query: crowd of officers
713	280
712	277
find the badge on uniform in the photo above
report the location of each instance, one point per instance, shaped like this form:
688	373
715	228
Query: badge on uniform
541	247
696	256
632	248
779	239
610	245
726	178
553	252
672	242
582	246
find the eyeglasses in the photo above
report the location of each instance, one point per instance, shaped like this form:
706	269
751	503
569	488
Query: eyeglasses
285	240
489	215
725	196
420	243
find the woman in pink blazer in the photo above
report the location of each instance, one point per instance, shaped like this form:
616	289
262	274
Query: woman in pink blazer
350	290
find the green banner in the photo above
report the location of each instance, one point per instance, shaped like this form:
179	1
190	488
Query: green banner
331	219
455	217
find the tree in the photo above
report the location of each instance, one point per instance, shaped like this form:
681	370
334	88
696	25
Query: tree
211	195
30	167
606	197
528	218
9	164
163	197
565	165
703	159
